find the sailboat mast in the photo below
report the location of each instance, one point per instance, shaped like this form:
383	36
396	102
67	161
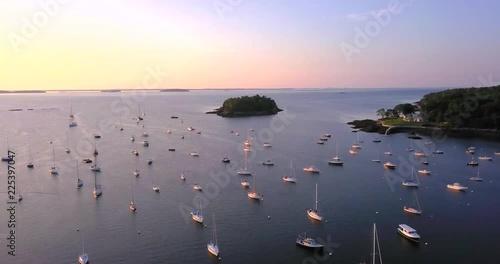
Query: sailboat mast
215	230
83	244
54	156
316	197
77	173
373	246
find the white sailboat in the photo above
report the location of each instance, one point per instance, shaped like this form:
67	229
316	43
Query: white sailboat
19	195
377	160
79	182
336	161
156	188
356	143
183	177
213	246
291	178
197	215
314	212
411	210
83	258
244	171
253	192
132	206
410	148
72	122
388	153
54	170
411	183
97	187
308	242
476	178
30	161
67	143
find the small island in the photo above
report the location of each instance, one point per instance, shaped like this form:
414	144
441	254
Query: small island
247	106
458	112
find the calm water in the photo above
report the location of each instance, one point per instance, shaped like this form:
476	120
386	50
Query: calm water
455	227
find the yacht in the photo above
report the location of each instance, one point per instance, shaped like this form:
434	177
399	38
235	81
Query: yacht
197	187
213	247
356	146
412	210
268	163
245	184
226	160
424	171
390	165
408	232
457	186
95	168
336	159
83	258
291	178
485	158
311	169
197	215
97	187
53	170
314	212
308	242
245	170
132	206
79	182
411	183
255	195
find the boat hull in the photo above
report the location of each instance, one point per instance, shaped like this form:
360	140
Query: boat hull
314	215
413	239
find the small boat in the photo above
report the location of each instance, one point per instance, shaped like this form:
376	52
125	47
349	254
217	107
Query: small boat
245	184
377	140
190	128
194	154
353	152
497	153
267	145
135	152
473	163
212	247
183	177
471	150
485	158
197	215
388	153
424	171
171	149
411	183
412	210
83	258
182	137
132	138
327	135
390	165
336	161
419	154
323	138
457	186
174	117
156	188
476	178
428	142
308	242
236	134
145	134
145	143
79	182
314	212
438	152
6	158
408	232
169	132
291	178
320	142
311	169
97	136
149	161
356	146
197	187
137	173
53	170
132	207
198	132
268	163
226	160
95	168
86	161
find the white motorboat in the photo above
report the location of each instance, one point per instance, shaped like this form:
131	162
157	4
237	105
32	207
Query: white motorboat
137	173
320	142
314	212
156	188
424	171
197	187
194	154
245	184
390	165
353	152
485	158
226	160
311	169
190	128
183	177
438	151
268	163
197	215
267	144
132	138
149	161
308	242
457	186
408	232
213	247
327	135
419	154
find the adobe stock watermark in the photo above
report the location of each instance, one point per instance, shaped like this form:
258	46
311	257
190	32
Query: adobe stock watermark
31	26
222	7
377	21
322	254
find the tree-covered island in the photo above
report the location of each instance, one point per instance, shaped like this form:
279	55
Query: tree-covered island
462	111
247	106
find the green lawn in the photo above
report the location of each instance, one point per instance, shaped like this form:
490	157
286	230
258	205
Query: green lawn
401	122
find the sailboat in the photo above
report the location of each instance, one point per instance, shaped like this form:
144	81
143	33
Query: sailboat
19	195
477	178
156	188
67	143
183	177
30	162
412	210
376	246
245	171
72	122
472	162
388	153
336	159
356	144
139	117
410	148
291	178
314	212
377	160
197	215
95	167
95	153
54	170
253	192
83	258
213	247
132	206
121	127
79	182
97	187
411	183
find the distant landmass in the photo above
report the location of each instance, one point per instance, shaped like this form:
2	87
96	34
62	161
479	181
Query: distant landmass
23	91
247	106
174	90
111	91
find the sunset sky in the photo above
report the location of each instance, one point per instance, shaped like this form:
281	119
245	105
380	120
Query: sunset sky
100	44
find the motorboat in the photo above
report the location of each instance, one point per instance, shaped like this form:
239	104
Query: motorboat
86	161
226	160
327	135
132	138
197	187
95	168
356	146
171	149
190	128
145	134
353	152
419	154
424	171
245	184
183	177
268	163
311	169
149	161
145	143
156	188
267	144
457	186
438	151
409	233
137	173
194	154
308	242
320	142
485	158
390	165
135	152
377	140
